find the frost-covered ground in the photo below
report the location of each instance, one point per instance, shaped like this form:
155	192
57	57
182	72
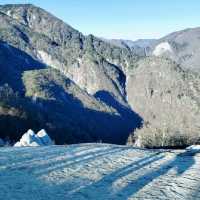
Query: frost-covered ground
97	172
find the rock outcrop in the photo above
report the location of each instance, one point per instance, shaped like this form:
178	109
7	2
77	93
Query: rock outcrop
33	140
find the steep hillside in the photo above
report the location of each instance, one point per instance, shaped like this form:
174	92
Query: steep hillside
81	58
83	99
168	99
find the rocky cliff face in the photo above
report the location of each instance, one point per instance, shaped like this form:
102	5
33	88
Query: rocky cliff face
81	58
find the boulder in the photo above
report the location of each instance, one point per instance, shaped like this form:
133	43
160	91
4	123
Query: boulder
44	138
17	144
194	148
31	139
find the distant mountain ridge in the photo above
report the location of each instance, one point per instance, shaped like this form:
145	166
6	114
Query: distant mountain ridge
143	43
184	47
139	47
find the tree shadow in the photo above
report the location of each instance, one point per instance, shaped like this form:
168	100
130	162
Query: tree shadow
195	194
19	184
76	160
82	187
103	187
181	163
39	154
50	163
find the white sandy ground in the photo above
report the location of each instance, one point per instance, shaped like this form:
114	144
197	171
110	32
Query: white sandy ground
97	172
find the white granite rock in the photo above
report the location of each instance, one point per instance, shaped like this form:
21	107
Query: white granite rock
31	139
44	138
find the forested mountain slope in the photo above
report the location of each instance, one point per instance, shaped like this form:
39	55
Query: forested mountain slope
83	88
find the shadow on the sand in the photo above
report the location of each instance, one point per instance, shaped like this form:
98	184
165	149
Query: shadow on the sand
139	174
181	163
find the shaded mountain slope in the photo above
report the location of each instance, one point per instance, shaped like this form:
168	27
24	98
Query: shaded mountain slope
36	42
66	103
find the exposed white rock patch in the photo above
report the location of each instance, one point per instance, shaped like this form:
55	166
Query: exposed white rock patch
80	61
194	148
79	75
34	17
73	73
48	60
8	13
31	139
54	63
162	48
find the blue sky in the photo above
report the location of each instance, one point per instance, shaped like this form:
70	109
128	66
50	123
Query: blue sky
127	19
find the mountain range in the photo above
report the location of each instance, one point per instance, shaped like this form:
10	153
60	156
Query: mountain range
89	89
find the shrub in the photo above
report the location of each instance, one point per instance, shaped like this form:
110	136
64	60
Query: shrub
156	137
